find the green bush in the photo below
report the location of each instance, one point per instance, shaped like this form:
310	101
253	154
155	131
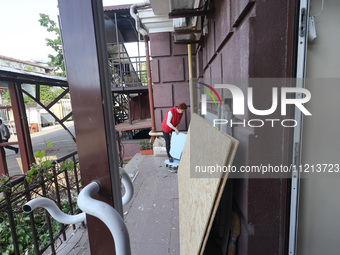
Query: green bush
24	232
145	145
22	220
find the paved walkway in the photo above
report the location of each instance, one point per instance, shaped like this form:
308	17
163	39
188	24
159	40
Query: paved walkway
151	216
62	145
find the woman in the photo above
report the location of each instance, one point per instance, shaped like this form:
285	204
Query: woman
170	123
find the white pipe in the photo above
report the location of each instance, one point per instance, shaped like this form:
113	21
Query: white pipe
96	208
127	185
133	15
53	210
106	214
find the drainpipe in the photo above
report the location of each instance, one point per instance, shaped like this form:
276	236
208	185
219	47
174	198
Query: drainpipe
96	208
53	210
148	66
106	214
88	205
136	18
191	86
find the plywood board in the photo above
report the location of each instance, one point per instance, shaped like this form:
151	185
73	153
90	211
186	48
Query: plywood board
219	194
198	193
177	144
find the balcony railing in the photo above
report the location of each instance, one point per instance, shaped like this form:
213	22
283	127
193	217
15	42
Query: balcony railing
128	72
34	233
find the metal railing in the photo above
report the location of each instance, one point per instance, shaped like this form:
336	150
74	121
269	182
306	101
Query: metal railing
103	211
128	72
36	232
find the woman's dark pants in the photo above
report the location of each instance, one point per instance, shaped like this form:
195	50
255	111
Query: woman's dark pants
167	143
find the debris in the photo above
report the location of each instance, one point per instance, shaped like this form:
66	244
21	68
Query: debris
133	179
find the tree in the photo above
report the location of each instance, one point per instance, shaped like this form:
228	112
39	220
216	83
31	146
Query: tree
47	95
58	60
5	94
143	74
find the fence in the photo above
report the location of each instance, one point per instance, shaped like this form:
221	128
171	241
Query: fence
128	72
34	233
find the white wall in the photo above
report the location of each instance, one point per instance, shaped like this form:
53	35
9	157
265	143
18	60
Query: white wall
319	223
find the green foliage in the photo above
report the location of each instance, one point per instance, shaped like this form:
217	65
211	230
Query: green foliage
47	95
29	68
49	144
55	44
3	179
145	145
143	74
5	94
42	167
24	232
67	165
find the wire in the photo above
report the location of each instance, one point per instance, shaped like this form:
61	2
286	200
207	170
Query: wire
322	4
203	6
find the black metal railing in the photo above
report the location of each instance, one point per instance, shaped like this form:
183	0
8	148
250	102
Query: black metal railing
35	232
128	72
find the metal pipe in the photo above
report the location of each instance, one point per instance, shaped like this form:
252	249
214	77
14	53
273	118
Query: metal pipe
127	185
93	207
148	68
53	210
129	109
133	15
119	56
191	85
108	215
11	222
140	106
47	218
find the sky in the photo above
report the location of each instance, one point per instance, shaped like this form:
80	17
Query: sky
21	35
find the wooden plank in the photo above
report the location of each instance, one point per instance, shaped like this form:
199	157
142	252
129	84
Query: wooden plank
219	193
136	124
199	197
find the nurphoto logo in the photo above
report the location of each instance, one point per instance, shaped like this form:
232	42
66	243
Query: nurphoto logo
238	104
